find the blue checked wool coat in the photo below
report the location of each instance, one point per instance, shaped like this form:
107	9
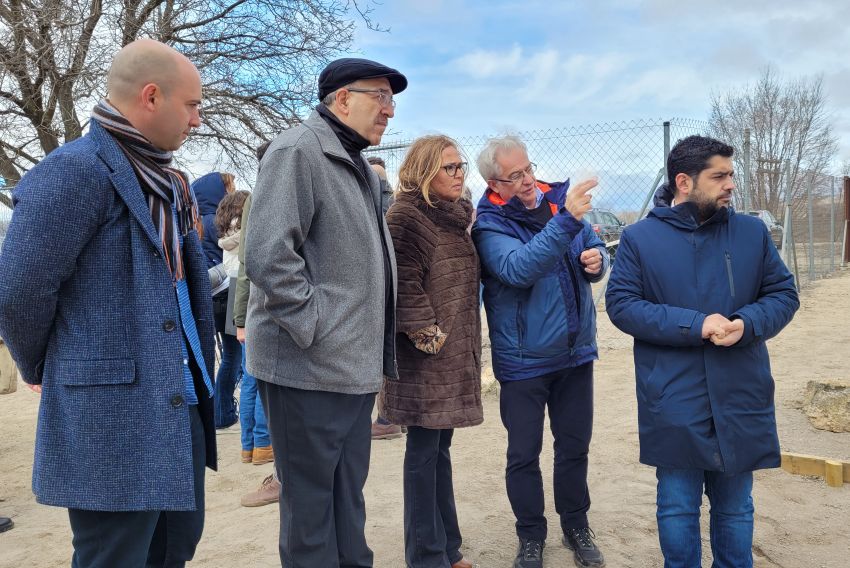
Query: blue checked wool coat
88	310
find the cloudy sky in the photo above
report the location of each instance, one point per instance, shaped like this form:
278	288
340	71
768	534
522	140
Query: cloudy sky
481	67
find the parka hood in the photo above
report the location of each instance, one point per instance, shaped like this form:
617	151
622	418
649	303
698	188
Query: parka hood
684	215
209	191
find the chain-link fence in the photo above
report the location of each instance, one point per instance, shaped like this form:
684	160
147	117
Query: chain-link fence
627	156
629	159
804	210
813	227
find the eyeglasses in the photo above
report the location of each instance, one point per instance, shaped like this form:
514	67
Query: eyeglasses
452	169
517	177
384	98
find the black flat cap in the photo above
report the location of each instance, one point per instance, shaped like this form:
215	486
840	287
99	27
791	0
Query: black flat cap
345	71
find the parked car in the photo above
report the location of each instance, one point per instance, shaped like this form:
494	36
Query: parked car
605	224
776	230
608	227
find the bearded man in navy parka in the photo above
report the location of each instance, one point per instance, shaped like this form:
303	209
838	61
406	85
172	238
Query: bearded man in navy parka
538	259
702	289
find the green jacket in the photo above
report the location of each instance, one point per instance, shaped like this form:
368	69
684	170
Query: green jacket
243	285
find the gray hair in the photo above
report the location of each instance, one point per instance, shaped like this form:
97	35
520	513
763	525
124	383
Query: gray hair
487	166
329	98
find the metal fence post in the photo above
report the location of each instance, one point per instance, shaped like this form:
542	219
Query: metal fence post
666	144
832	225
786	215
845	238
810	214
747	170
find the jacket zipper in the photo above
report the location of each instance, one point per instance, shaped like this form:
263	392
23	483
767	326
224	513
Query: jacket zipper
729	273
520	328
576	297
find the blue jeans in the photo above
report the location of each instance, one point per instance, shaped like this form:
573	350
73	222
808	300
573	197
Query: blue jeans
731	522
225	381
252	419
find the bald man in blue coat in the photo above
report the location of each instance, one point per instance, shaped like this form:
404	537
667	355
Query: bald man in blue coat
105	303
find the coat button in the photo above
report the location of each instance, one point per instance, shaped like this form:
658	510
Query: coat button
177	401
169	325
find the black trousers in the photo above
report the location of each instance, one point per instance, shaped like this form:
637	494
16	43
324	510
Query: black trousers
568	394
431	533
322	443
143	539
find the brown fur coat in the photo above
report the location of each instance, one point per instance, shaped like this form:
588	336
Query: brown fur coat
438	282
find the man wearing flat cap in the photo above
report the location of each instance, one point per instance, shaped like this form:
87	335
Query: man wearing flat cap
320	328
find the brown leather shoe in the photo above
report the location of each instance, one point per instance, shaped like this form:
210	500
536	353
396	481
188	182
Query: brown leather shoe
462	563
247	456
268	493
263	455
385	431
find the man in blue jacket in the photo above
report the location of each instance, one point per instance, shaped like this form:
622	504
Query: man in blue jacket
105	303
702	289
538	260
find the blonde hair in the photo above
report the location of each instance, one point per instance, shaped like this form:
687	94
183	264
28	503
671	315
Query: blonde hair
422	163
229	181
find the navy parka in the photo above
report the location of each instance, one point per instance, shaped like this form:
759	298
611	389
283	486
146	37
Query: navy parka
701	406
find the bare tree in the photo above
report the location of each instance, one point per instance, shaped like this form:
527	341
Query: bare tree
789	123
257	58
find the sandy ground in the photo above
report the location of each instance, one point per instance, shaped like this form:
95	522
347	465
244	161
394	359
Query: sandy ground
800	522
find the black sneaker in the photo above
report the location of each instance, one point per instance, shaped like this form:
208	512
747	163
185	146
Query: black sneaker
585	552
530	554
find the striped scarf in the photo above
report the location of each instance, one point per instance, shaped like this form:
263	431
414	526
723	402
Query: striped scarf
161	184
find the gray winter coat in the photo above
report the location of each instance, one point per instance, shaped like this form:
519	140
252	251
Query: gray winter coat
315	258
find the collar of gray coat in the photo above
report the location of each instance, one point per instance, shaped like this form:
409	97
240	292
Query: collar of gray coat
331	146
328	140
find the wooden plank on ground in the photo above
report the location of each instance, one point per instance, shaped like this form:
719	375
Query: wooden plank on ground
835	472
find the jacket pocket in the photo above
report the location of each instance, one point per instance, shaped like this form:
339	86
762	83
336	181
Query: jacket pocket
729	273
94	372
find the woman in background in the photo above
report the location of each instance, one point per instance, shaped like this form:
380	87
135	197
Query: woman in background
256	446
209	190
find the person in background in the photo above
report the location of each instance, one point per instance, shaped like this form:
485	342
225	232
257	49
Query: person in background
438	343
383	429
538	260
701	289
380	167
210	189
256	447
269	490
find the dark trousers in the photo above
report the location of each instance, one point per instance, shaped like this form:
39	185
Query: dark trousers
568	394
431	532
322	442
137	539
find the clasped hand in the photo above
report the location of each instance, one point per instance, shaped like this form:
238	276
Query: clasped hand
721	331
591	259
